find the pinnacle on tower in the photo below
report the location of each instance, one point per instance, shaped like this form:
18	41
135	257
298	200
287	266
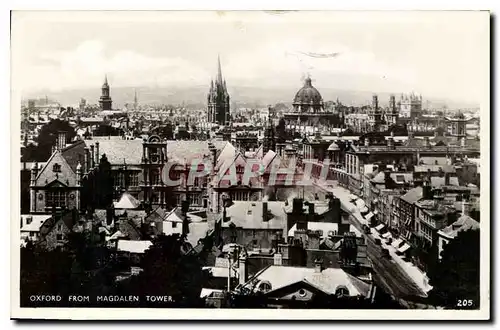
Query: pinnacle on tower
219	71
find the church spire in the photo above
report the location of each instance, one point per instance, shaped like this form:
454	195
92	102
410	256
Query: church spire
105	80
219	71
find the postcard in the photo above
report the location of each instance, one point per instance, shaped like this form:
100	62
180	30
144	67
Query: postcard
316	165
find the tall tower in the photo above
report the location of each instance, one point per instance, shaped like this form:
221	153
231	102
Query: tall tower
105	100
269	142
392	115
135	100
218	99
374	115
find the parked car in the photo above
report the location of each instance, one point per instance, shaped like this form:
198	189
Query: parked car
378	241
385	253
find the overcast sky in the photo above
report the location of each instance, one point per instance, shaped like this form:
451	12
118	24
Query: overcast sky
435	54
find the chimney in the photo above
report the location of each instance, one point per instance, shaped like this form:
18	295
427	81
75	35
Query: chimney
242	267
97	160
278	259
447	179
86	155
390	143
34	173
465	207
265	212
311	209
297	206
92	158
427	142
318	266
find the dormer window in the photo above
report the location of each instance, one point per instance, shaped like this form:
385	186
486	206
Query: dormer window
56	168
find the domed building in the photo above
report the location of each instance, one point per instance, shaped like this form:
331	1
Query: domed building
309	115
308	99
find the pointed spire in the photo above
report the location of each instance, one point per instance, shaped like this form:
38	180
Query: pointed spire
219	71
105	80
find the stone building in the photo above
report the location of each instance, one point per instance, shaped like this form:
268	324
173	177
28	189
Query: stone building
218	100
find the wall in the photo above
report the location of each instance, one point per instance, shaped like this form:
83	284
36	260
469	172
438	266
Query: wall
263	238
51	237
39	203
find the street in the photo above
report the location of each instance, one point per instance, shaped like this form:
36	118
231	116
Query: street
388	274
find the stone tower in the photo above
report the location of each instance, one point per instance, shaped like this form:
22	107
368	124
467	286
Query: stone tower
105	100
218	99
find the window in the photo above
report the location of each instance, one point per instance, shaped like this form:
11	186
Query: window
56	168
155	177
59	237
32	233
59	227
55	198
134	179
174	224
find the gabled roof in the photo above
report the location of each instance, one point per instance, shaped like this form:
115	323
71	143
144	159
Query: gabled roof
463	223
127	201
413	195
327	280
249	215
66	175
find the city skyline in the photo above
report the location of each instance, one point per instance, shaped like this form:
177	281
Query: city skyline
357	51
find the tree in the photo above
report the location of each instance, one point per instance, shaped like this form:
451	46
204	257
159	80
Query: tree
169	270
47	139
455	278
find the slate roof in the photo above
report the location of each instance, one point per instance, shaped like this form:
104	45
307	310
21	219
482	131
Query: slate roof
118	150
249	215
463	223
413	195
434	168
127	201
133	246
437	181
327	281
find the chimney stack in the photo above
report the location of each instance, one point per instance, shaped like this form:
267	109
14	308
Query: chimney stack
318	266
447	179
92	156
390	143
297	206
86	165
465	207
427	142
97	160
265	212
311	209
242	267
278	259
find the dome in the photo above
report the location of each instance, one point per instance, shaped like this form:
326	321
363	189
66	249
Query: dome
308	95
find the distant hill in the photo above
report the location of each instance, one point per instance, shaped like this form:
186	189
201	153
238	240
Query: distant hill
241	96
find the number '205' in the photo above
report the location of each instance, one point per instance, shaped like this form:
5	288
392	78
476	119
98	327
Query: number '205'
465	303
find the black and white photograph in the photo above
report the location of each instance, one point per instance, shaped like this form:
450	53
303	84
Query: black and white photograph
246	164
